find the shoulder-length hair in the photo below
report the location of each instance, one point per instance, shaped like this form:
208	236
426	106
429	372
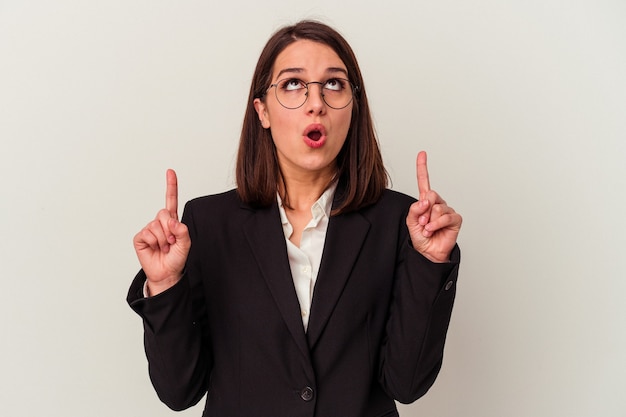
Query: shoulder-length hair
360	171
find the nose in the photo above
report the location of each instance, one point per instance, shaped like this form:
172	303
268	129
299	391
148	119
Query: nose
315	101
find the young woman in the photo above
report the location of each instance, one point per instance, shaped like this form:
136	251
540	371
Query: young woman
311	289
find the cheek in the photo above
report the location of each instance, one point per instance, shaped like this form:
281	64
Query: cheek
278	117
345	122
281	126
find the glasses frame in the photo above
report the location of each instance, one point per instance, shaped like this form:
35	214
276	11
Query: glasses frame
353	88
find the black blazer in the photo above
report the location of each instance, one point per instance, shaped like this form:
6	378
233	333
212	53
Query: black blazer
232	325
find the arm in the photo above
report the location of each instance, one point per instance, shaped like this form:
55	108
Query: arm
412	350
173	321
178	358
423	295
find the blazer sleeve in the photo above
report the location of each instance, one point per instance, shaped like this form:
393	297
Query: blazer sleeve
174	336
412	350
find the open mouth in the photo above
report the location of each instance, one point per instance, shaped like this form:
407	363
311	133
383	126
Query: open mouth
314	135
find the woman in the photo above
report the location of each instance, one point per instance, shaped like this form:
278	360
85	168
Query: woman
311	289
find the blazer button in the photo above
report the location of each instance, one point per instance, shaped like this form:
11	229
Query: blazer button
448	285
307	394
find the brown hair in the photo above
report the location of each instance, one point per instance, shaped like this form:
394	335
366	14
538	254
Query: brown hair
360	170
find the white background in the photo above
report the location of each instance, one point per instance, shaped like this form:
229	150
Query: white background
520	104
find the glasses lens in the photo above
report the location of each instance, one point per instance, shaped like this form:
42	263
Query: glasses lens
337	93
291	93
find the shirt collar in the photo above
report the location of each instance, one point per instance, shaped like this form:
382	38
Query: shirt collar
325	203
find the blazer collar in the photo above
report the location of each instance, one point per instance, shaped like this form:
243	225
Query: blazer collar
264	232
344	239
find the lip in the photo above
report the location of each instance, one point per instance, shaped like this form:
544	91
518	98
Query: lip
312	143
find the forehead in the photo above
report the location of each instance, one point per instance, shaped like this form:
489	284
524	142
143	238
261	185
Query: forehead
307	57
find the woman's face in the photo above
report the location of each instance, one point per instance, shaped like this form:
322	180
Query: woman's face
309	138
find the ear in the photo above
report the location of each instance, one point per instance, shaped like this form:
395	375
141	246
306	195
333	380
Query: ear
261	110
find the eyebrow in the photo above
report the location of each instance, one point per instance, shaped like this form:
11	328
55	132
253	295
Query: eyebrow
331	70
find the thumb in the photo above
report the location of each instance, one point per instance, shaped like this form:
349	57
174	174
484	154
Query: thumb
180	232
419	212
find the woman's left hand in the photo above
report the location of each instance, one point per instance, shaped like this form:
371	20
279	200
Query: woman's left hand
433	225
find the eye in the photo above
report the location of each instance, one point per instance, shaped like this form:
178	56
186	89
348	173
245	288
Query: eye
335	84
291	84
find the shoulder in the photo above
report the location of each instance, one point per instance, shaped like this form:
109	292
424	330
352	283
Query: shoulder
390	210
387	218
226	198
396	197
392	201
214	206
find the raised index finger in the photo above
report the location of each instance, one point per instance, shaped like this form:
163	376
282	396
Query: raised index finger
423	183
171	194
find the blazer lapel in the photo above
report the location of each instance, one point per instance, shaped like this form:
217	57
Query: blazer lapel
344	239
266	238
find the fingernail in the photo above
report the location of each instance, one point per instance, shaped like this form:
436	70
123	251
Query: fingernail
423	220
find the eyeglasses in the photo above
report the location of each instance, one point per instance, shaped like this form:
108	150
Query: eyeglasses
292	93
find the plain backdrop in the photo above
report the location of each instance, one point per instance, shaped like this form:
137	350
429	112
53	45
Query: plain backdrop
520	104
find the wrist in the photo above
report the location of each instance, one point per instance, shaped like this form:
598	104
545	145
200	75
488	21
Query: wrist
438	258
153	288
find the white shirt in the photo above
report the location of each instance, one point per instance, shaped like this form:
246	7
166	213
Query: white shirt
305	260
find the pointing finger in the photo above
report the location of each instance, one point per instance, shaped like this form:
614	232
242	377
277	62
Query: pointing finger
423	183
171	194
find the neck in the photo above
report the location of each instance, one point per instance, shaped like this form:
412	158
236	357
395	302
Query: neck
300	192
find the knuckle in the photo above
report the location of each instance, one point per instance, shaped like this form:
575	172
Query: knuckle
163	214
438	209
147	237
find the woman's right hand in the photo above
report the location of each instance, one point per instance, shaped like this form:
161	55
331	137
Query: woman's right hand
163	245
